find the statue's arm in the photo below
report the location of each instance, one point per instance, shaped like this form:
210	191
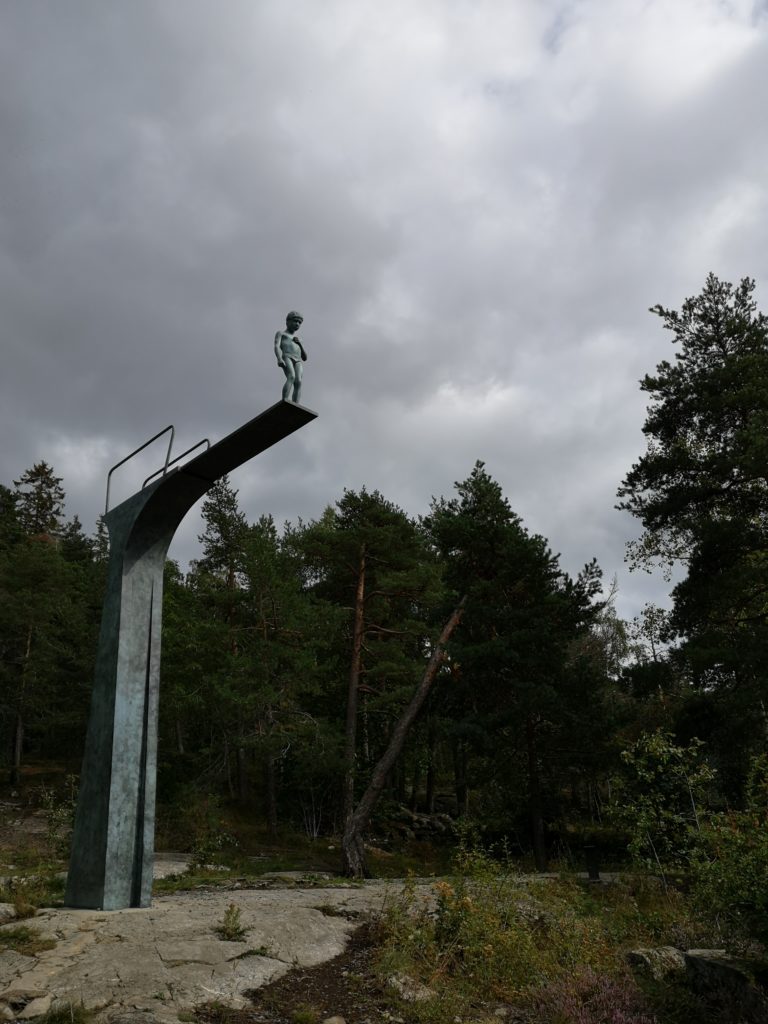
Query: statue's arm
278	351
303	353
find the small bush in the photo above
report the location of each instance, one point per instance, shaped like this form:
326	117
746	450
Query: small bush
585	997
60	817
28	894
730	880
231	928
657	800
730	876
305	1015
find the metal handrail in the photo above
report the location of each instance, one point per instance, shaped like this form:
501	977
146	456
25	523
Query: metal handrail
136	452
168	465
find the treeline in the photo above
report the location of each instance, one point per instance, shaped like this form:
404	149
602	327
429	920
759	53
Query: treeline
446	662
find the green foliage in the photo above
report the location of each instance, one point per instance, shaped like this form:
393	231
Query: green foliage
524	658
305	1015
701	495
60	817
707	422
490	935
40	500
730	879
67	1013
211	838
29	892
658	798
731	876
231	928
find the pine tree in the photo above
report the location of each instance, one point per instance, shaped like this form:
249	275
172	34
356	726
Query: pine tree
369	557
40	500
10	527
513	656
701	494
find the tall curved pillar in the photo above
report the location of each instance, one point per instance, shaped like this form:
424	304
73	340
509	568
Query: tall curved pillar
113	840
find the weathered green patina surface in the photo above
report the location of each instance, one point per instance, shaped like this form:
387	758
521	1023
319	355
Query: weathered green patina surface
113	841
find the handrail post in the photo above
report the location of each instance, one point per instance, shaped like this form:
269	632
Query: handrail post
136	452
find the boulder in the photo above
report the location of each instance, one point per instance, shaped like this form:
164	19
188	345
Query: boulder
36	1008
740	983
657	963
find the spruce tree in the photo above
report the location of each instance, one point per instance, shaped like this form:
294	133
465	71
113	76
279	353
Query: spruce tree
40	500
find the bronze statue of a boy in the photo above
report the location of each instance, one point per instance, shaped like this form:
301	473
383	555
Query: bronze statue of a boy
290	356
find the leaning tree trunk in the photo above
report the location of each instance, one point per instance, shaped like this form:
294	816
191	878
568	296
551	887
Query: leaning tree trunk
352	845
350	732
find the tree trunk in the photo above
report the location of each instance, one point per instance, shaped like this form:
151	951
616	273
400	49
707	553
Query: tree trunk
241	762
400	783
431	745
352	846
534	796
350	734
228	768
17	747
415	785
460	778
366	738
270	793
179	737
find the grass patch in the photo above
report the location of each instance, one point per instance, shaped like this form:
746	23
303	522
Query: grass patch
192	880
22	939
29	894
70	1013
305	1015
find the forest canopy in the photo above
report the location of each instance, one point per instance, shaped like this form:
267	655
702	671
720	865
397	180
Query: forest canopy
368	659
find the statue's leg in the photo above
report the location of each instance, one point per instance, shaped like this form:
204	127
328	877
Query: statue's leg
289	380
298	372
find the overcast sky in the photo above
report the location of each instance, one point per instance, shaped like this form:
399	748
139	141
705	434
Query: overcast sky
472	202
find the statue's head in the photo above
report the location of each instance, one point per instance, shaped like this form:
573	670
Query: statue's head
294	320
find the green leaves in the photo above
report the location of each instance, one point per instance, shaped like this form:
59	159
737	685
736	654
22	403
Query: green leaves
658	797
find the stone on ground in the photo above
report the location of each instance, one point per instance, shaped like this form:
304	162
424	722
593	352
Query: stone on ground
158	962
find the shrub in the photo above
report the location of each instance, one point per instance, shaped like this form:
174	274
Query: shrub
730	879
585	997
657	800
490	934
730	876
231	928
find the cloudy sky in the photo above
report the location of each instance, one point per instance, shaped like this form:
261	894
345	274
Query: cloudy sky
472	202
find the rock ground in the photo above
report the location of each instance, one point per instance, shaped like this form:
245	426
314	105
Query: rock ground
168	959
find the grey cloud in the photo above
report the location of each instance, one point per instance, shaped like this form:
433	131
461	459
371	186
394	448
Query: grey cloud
471	209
